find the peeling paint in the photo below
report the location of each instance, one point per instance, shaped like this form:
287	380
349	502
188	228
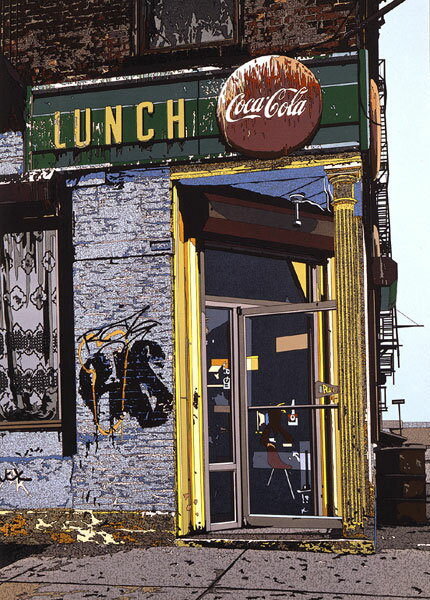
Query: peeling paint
100	527
91	534
42	525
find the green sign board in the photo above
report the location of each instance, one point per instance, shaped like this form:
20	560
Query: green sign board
156	120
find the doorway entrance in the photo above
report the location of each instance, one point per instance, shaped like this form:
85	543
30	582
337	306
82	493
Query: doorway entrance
263	339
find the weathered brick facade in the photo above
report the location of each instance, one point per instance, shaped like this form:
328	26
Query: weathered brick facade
11	153
285	26
55	41
118	272
51	41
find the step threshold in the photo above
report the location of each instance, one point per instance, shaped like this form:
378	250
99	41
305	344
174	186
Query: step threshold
301	544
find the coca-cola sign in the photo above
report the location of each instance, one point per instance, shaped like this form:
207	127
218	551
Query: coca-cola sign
269	107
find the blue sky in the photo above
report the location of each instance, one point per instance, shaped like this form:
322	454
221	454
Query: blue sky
404	43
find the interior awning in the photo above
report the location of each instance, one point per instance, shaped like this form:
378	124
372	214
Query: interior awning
280	184
262	206
312	182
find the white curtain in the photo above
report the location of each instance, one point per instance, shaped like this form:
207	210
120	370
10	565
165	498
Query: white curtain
28	326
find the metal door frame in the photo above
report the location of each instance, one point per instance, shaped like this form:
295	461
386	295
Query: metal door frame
236	305
276	520
234	466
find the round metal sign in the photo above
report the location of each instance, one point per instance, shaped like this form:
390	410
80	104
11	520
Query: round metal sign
269	107
375	129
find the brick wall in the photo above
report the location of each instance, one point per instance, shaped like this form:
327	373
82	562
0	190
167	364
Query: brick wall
285	25
11	153
123	264
33	472
50	41
123	261
54	40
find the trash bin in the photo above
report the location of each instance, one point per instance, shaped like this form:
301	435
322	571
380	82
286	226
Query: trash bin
401	485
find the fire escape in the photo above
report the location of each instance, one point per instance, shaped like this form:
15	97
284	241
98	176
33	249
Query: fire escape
389	356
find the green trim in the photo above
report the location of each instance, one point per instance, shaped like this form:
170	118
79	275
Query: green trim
340	116
389	296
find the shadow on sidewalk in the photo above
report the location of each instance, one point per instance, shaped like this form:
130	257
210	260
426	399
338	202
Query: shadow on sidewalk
10	553
415	537
403	537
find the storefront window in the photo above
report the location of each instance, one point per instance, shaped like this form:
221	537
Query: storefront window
278	348
252	276
218	357
263	329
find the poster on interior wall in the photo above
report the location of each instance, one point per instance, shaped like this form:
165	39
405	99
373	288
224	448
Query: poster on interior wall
269	107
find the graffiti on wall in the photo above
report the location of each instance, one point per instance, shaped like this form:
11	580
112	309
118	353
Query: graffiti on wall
119	361
15	477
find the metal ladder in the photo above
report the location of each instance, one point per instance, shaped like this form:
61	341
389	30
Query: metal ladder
388	334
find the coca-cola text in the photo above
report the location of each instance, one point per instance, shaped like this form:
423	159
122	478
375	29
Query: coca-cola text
278	104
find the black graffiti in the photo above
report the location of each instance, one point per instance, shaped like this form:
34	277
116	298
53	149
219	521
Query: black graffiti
29	451
14	475
125	368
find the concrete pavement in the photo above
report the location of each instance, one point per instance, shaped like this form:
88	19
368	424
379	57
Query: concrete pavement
214	574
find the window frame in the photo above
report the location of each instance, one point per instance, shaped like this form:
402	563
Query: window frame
140	32
37	215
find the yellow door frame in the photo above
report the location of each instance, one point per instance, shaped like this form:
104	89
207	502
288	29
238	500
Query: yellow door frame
188	380
190	463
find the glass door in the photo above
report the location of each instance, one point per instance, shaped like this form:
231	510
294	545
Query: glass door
279	461
263	429
222	447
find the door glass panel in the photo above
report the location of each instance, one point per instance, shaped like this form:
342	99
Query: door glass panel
257	277
278	356
219	407
222	496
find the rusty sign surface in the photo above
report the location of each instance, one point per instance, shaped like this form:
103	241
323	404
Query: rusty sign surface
159	119
269	107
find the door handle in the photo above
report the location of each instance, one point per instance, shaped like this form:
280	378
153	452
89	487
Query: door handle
295	406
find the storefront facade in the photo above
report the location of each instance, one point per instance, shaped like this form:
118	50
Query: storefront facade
185	325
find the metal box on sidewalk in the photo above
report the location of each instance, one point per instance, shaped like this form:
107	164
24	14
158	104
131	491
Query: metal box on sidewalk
401	485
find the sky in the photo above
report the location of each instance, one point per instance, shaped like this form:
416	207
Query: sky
404	43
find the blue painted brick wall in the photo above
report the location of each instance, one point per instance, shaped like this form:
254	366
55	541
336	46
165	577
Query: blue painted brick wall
123	263
11	153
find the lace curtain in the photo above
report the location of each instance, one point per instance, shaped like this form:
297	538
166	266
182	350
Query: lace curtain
28	327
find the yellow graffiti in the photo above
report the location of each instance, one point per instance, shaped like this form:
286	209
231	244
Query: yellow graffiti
91	337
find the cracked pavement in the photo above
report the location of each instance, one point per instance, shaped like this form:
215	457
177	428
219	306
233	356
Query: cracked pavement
79	572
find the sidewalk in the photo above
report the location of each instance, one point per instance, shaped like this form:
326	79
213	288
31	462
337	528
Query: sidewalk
81	571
